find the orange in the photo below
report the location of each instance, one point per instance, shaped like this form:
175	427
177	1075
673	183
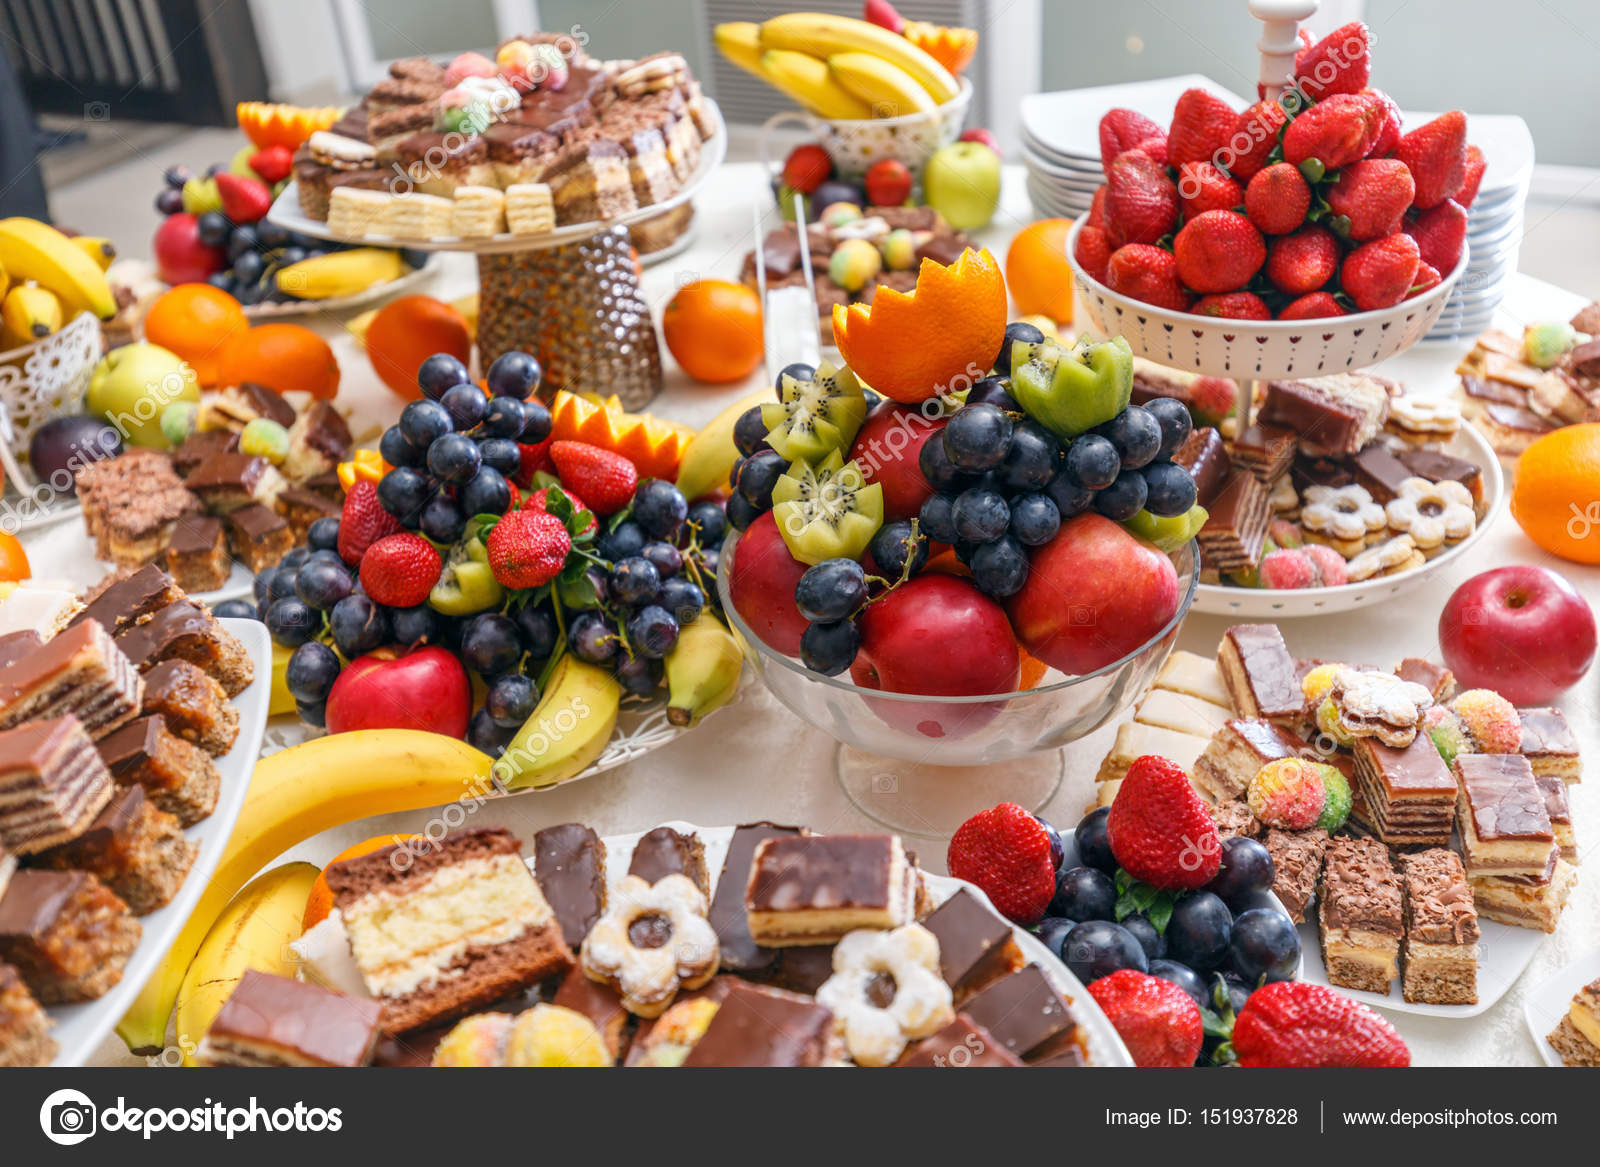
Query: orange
320	902
195	321
1556	499
268	124
1037	271
1033	669
951	47
13	559
936	339
409	330
713	329
281	357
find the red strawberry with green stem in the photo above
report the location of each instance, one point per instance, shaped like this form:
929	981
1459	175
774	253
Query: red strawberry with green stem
1146	273
1372	195
1218	251
1159	829
1379	274
1333	133
1254	137
1340	62
1315	306
1389	131
1437	156
1202	187
1141	201
1158	1022
1277	199
1201	126
1006	852
400	570
1441	234
1427	277
528	548
1298	1024
1122	130
363	521
604	479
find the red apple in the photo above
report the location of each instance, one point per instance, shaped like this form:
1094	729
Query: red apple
887	448
888	183
391	688
936	635
1095	593
180	256
1522	631
762	579
979	134
807	168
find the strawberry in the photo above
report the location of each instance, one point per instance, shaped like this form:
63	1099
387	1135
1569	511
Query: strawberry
883	14
1120	131
1232	305
1202	187
1277	199
1389	132
1160	830
1213	400
1335	132
1219	251
807	168
1154	148
272	164
1158	1022
527	548
1141	202
534	459
1097	208
1006	852
1304	261
1146	273
1315	306
400	570
1380	273
1340	62
1297	1024
1254	135
363	521
1427	277
244	199
607	480
1201	125
1092	252
1474	175
1441	233
537	502
1437	156
1372	194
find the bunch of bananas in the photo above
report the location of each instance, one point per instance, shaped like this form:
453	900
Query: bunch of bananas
47	279
839	67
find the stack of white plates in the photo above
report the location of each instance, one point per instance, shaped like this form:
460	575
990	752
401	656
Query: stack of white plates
1061	135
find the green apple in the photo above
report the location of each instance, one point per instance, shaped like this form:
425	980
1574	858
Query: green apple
962	183
201	195
240	162
133	385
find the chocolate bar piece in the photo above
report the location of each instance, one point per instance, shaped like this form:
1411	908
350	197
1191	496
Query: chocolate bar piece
134	848
66	933
1548	744
1440	467
1296	865
276	1021
52	785
760	1027
1436	679
739	952
82	672
1236	754
1381	473
1025	1014
192	704
259	536
197	557
120	602
1501	816
225	482
189	632
179	778
960	1044
1441	948
813	889
1260	674
1360	919
976	946
1408	796
1332	415
24	1027
1206	459
663	852
569	861
1233	534
1266	451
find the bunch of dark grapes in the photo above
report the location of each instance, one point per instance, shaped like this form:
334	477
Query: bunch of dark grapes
832	594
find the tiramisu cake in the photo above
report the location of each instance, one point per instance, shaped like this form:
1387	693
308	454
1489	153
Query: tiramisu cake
1361	918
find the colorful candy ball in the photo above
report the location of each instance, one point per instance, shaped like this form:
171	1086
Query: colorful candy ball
1491	721
1288	793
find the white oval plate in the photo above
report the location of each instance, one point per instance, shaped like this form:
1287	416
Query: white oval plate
411	279
1545	1004
79	1029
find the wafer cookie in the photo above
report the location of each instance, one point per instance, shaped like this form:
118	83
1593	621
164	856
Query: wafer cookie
479	211
417	216
530	210
353	213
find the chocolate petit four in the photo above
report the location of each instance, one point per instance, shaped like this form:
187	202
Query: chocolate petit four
740	953
1549	745
1261	674
976	947
119	601
754	1026
134	848
1408	795
1332	415
1205	457
1559	808
1026	1015
225	482
1265	450
1297	859
277	1021
178	777
1236	526
192	705
258	535
24	1027
1527	901
66	933
82	672
813	889
1361	918
198	556
52	785
1441	948
1501	818
189	632
130	504
664	851
960	1044
569	861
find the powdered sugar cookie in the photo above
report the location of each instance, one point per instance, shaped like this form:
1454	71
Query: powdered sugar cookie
886	990
1382	559
652	940
1434	514
1341	517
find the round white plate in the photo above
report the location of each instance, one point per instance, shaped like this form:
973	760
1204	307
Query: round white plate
79	1029
1545	1004
1279	603
412	279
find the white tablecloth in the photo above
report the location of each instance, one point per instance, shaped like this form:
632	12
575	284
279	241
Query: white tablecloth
755	760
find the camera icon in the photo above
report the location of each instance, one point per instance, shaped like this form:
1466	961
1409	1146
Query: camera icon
1080	615
885	784
96	111
68	1117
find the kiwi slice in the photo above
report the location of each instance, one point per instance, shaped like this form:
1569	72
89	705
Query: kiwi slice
814	417
827	511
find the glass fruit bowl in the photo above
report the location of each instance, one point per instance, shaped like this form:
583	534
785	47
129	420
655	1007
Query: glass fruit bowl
922	765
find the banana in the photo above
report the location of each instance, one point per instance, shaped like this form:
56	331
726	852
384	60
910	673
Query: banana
341	273
702	670
253	932
740	42
5	281
807	80
28	314
300	792
886	87
31	250
710	454
98	248
567	730
822	34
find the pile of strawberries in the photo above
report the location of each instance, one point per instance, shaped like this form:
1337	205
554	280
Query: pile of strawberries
1309	207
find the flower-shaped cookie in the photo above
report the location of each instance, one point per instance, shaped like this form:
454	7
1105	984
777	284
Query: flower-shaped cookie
1379	705
1344	513
886	990
652	940
1432	513
1435	417
1390	557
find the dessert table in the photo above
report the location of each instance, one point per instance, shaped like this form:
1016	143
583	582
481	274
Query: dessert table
755	760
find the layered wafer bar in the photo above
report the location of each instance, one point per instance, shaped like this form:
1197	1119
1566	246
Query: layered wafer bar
133	847
192	705
276	1021
1236	752
24	1027
81	672
258	536
1441	948
198	557
1206	459
1576	1039
1526	902
1026	1015
569	861
963	1043
664	851
66	933
813	889
1360	915
1549	745
1501	817
189	632
1236	525
16	645
440	930
1408	796
1193	675
740	953
1559	808
1182	714
1333	415
1261	676
976	947
1265	450
52	785
178	777
123	600
1135	739
755	1026
1297	859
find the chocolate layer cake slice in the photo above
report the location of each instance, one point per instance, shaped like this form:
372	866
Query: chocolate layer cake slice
130	503
589	181
24	1027
1408	796
276	1021
1236	754
67	934
1549	745
1297	858
178	777
813	889
1265	450
259	536
1260	674
198	557
192	705
52	785
1360	917
81	672
1236	526
1577	1038
1501	817
1441	949
436	931
133	847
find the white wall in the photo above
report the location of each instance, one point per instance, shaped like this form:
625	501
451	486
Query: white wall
301	49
